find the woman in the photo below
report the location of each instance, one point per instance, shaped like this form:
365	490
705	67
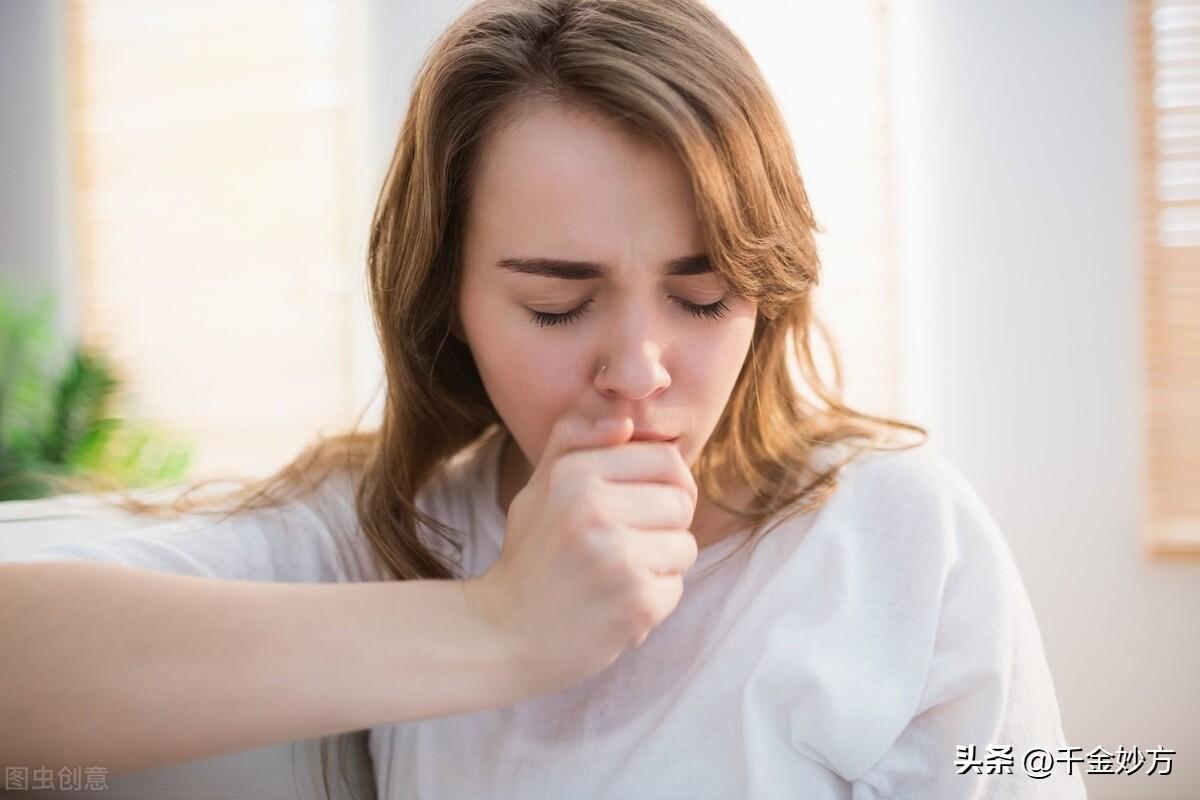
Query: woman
593	215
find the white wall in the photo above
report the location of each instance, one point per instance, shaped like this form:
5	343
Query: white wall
1015	150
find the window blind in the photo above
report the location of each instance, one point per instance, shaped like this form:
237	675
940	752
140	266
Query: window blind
219	220
1168	95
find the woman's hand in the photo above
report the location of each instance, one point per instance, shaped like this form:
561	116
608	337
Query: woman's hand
593	555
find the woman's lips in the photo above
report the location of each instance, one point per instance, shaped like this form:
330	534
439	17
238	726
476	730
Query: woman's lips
643	436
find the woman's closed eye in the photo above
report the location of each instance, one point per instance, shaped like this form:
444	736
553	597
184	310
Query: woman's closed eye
710	311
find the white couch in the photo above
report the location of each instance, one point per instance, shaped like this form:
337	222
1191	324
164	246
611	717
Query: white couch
287	770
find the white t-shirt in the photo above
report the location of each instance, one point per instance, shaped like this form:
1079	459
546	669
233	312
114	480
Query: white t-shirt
858	652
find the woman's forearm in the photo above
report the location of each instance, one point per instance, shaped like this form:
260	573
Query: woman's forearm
129	668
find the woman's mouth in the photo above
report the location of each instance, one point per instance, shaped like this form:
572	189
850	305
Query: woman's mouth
652	436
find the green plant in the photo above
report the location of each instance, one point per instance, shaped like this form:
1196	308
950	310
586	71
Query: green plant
56	413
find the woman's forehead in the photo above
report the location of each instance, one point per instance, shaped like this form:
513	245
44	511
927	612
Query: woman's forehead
556	176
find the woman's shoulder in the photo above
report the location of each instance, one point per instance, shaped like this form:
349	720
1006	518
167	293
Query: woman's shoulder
868	590
907	593
911	497
917	472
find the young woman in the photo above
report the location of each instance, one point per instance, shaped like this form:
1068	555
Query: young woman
603	544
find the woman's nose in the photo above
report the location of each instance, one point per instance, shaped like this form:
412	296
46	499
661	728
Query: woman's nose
635	374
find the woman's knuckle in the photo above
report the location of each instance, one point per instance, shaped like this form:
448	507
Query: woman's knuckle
685	504
687	547
618	564
587	516
595	517
640	608
643	613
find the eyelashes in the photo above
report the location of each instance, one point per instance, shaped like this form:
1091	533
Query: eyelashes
711	311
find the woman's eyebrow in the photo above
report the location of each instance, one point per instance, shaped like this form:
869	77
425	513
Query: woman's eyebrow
590	270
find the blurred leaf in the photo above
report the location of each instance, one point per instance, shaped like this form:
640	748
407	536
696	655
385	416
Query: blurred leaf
55	415
89	451
26	386
82	401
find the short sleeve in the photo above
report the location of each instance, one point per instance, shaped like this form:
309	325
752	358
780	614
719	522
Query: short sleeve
989	685
311	539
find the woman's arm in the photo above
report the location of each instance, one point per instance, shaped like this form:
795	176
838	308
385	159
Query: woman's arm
129	668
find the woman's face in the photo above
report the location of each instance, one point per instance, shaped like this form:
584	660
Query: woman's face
563	185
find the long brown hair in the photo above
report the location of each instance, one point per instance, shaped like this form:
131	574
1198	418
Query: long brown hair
666	69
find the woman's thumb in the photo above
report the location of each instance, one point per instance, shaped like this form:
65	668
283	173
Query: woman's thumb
575	433
613	428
